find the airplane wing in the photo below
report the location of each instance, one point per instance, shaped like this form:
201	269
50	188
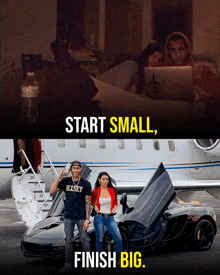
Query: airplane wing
184	188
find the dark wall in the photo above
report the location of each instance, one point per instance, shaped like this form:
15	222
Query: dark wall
169	16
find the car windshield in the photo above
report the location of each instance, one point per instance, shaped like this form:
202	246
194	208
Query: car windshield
57	208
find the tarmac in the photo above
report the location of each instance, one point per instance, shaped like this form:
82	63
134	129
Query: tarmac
176	261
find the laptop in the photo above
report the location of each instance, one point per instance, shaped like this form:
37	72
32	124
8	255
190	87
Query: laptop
175	82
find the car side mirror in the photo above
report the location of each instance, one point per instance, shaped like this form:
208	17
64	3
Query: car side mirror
123	199
123	202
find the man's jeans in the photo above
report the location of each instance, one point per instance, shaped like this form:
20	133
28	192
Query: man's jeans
69	231
109	222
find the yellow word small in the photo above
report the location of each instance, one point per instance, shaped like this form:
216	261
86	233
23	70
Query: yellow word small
130	125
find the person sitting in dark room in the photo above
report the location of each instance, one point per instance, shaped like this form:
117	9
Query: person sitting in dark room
76	80
178	52
68	89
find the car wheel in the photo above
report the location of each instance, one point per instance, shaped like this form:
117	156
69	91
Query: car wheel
204	235
109	243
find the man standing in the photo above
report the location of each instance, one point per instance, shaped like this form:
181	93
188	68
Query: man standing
77	208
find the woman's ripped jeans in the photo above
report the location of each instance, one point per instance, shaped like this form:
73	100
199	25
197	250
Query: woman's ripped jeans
109	222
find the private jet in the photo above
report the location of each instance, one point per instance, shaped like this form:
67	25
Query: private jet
28	167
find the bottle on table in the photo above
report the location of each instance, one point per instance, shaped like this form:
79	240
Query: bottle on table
29	99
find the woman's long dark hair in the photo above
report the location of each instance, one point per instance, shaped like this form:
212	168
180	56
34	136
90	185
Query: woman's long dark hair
142	61
111	181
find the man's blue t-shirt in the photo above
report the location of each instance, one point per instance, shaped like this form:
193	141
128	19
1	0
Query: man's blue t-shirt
75	197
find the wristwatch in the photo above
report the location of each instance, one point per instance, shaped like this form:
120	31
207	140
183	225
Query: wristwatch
87	221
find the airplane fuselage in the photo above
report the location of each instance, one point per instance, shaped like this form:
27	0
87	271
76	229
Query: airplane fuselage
129	162
24	167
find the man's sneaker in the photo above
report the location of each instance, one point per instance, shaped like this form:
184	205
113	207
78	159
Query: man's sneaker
66	269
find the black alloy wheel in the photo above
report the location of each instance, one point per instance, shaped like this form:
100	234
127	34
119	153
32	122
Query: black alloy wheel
109	243
204	235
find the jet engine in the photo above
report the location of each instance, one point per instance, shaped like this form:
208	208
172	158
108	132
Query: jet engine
209	146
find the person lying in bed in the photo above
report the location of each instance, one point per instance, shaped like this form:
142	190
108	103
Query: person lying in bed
129	74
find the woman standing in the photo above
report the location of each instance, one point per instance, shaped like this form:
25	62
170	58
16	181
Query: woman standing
104	201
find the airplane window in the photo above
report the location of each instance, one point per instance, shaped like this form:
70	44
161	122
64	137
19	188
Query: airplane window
139	145
82	143
61	143
102	144
121	144
156	144
171	145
